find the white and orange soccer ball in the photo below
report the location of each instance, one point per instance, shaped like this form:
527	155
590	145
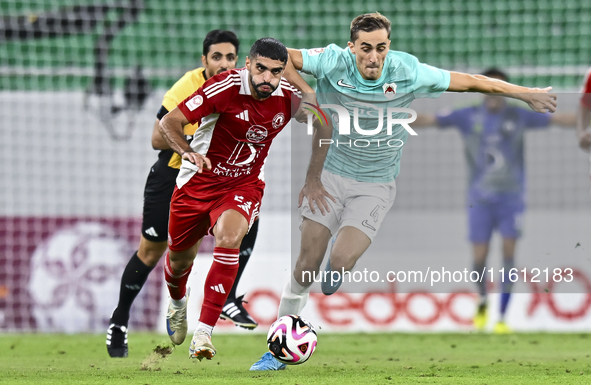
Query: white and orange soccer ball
292	340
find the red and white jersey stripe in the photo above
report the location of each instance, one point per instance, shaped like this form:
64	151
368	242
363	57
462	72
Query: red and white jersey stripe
235	131
214	89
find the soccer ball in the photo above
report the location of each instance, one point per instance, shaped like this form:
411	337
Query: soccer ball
291	340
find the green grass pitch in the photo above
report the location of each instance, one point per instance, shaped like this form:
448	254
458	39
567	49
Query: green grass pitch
339	359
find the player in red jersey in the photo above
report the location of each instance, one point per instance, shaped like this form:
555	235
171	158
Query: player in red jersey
584	115
220	184
220	50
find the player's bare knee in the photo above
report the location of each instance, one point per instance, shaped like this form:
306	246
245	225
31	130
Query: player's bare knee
229	239
181	260
180	266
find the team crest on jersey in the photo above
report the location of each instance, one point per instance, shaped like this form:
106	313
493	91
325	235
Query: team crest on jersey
315	51
278	120
256	134
194	102
389	90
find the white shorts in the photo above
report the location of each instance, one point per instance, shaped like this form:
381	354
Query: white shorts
362	205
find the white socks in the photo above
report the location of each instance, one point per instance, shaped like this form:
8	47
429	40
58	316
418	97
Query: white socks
293	298
179	302
204	328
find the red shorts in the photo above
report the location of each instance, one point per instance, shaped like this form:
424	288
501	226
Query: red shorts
191	218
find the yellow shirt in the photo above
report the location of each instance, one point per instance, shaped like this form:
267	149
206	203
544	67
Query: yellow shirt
183	88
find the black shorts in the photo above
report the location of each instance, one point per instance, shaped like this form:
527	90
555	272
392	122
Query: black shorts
157	195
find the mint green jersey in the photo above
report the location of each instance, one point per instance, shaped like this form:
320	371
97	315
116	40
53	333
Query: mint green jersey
359	155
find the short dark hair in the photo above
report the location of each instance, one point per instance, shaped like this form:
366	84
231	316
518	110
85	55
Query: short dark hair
270	48
369	22
496	73
218	36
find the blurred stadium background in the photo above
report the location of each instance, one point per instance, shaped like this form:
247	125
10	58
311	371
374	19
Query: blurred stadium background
81	82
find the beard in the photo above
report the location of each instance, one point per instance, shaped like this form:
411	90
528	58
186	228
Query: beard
261	94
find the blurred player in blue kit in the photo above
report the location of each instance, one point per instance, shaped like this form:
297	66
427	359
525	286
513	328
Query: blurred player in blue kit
362	180
493	134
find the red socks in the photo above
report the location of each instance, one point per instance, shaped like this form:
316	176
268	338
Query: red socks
177	283
218	283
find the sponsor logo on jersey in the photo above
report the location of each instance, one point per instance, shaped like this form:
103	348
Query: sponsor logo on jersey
232	172
278	120
342	84
315	51
389	90
256	134
193	103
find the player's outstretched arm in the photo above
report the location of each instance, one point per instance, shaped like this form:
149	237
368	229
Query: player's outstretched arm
424	121
583	119
295	58
294	64
171	128
538	99
564	119
313	188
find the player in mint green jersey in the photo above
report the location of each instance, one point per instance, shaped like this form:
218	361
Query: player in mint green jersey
365	78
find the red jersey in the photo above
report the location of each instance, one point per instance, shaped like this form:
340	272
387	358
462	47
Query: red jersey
586	96
235	132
